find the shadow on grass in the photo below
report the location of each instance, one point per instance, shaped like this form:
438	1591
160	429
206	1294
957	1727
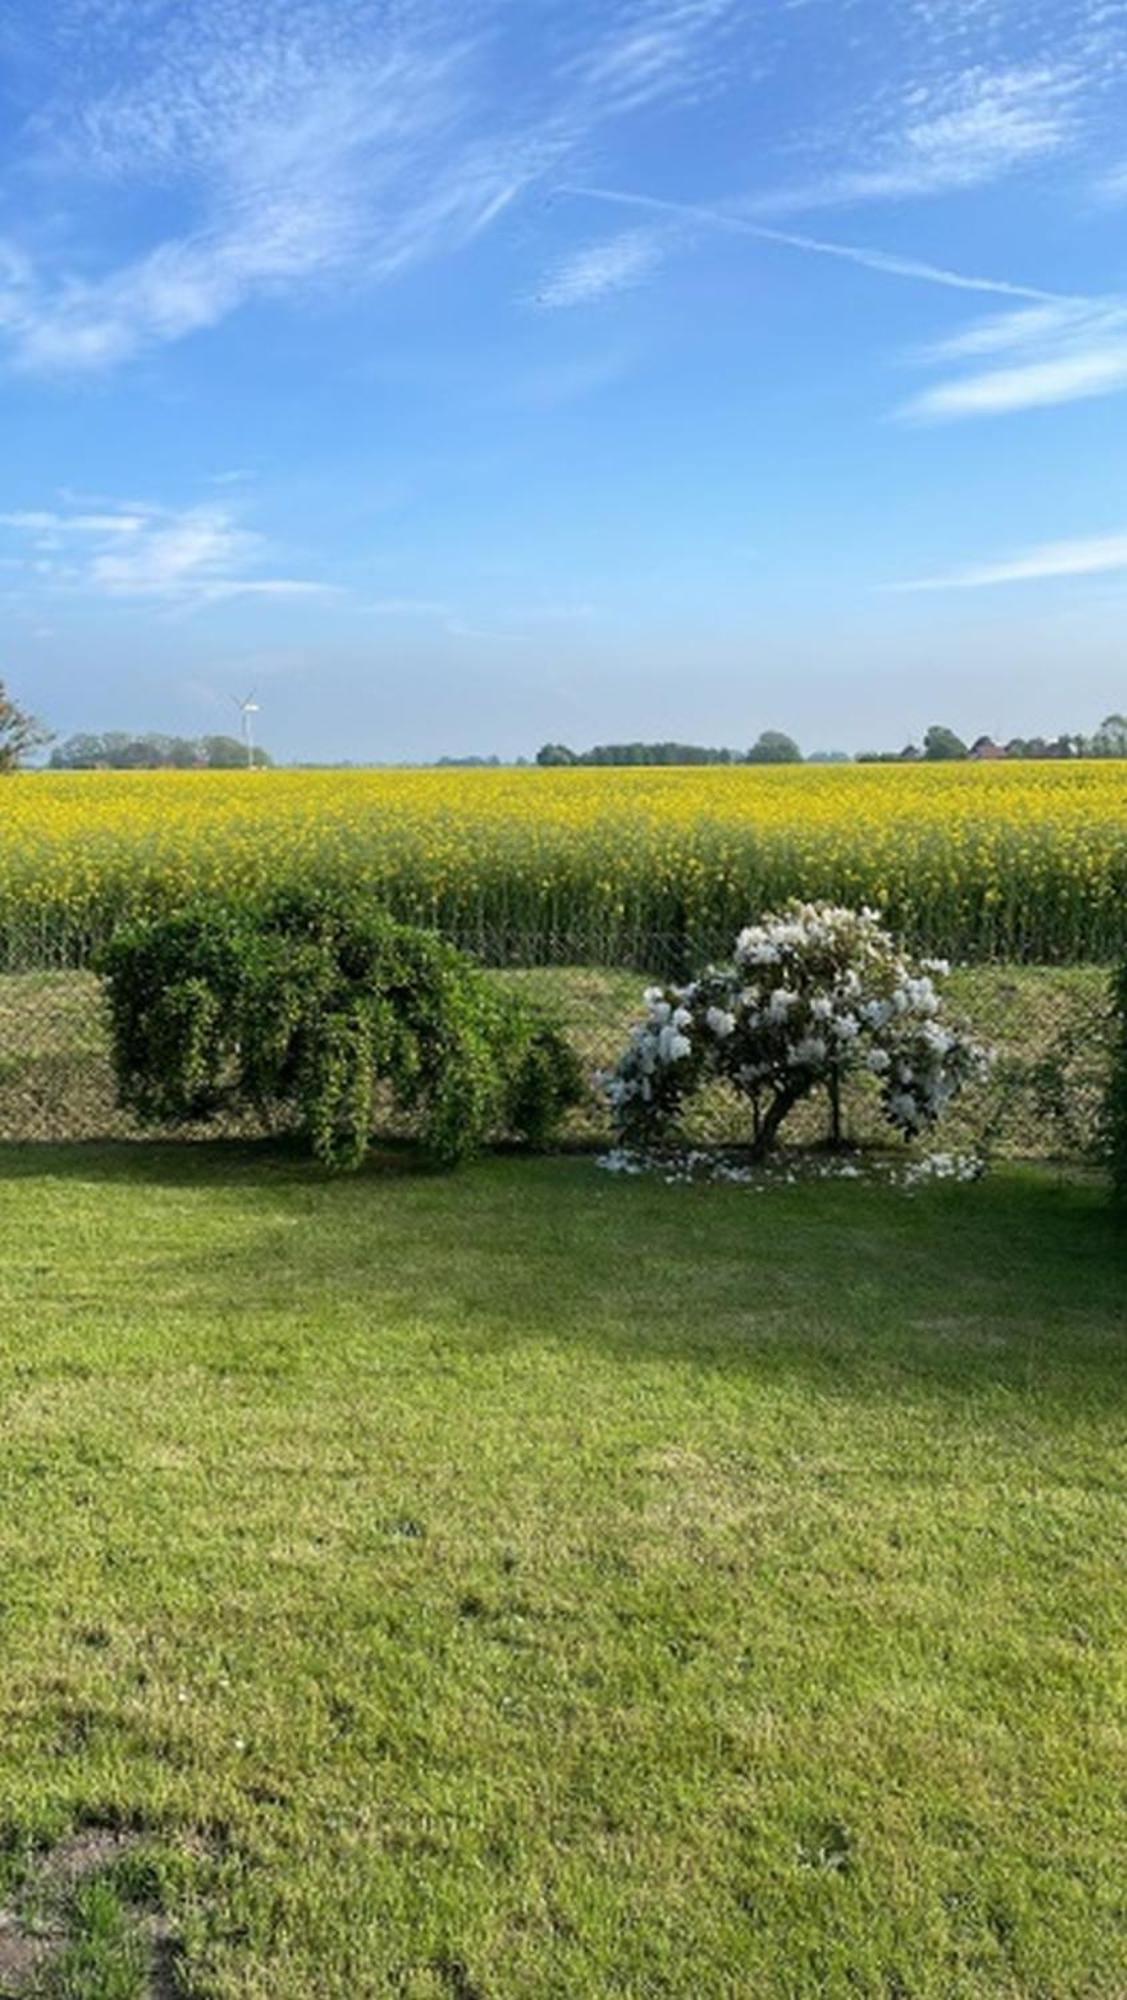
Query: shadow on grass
1016	1282
268	1161
220	1163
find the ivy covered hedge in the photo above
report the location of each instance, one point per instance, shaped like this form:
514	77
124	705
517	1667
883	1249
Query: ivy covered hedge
1117	1096
307	1006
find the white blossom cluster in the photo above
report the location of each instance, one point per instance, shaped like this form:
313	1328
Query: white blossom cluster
642	1074
943	1167
682	1167
811	996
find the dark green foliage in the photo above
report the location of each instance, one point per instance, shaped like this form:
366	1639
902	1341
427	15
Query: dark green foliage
942	746
1110	739
772	748
317	1006
1117	1094
20	733
116	750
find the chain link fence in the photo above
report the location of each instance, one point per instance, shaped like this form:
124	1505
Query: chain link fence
1050	1027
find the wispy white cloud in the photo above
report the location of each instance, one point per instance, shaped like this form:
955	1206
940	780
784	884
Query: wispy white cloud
602	270
1051	354
319	170
1091	556
1020	329
408	607
653	49
457	628
932	97
567	612
187	557
309	141
888	264
1112	185
44	524
959	132
570	378
564	612
1051	347
1036	384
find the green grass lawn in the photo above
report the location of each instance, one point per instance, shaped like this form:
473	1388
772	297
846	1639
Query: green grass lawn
536	1583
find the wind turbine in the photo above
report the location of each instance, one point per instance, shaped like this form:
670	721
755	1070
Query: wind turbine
246	709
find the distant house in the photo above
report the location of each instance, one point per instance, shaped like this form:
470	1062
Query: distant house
986	751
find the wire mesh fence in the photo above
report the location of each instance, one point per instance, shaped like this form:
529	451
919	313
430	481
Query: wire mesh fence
1050	1029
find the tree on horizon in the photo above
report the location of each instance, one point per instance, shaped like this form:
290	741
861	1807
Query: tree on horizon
20	733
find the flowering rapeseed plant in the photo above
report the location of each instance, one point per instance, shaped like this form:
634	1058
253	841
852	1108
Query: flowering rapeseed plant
1021	861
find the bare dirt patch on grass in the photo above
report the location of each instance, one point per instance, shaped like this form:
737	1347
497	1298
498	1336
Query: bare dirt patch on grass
75	1927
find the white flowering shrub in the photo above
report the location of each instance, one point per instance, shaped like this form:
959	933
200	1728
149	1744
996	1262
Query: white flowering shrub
813	996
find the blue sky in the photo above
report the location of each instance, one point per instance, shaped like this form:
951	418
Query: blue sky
463	375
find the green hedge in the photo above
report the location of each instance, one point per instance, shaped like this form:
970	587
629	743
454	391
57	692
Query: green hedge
306	1005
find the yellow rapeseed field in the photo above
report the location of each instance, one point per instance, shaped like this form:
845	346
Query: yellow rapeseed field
1023	860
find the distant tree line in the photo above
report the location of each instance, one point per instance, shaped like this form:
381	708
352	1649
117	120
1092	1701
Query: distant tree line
940	745
478	763
772	747
116	750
